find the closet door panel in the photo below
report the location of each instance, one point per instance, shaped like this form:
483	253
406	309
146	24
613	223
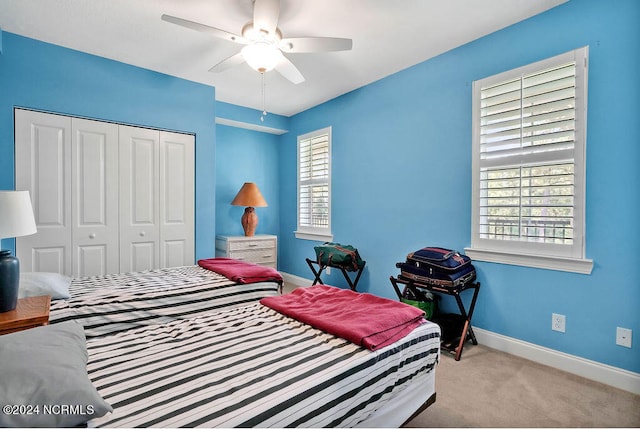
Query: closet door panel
143	255
43	167
139	195
91	260
54	259
177	182
95	203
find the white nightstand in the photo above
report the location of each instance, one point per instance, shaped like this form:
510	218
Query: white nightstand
259	249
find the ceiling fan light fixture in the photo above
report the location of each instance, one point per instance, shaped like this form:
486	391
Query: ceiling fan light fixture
261	56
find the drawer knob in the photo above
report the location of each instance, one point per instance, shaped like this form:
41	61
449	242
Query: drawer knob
92	235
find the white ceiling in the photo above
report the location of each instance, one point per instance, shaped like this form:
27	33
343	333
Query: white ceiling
388	36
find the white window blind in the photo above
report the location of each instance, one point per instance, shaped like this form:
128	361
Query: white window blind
529	141
314	185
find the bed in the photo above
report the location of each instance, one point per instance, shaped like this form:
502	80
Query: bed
117	302
251	366
232	362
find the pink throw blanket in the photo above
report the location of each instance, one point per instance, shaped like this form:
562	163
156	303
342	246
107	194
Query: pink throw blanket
364	319
240	271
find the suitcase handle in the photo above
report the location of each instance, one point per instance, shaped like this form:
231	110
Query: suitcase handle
442	257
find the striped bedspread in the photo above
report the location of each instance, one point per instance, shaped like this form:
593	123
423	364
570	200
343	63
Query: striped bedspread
250	366
116	302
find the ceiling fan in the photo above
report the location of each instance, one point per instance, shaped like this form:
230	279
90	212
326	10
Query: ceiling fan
264	45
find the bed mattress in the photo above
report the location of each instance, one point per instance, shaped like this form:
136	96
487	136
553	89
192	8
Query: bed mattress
251	366
117	302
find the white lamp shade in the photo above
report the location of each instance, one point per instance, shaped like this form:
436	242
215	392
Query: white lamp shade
16	214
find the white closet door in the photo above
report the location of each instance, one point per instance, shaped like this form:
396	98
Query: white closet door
177	184
43	167
94	169
139	199
107	198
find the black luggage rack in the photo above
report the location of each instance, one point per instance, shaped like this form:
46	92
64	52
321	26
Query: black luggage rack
352	284
454	347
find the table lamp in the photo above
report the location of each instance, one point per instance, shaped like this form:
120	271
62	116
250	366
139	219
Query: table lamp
250	197
16	220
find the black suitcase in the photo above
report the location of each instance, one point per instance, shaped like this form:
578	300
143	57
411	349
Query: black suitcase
438	266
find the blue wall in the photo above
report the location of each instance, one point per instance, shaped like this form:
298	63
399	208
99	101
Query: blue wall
246	156
402	179
47	77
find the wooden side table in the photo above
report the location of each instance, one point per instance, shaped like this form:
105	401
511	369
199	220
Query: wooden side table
29	313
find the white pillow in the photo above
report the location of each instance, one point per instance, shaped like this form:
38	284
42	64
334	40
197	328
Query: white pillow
35	284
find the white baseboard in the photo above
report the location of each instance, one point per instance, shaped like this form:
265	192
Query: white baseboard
293	281
606	374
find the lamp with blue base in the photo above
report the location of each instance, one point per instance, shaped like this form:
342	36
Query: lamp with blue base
16	220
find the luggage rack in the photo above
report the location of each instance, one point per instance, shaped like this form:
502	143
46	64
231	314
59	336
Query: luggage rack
344	269
455	347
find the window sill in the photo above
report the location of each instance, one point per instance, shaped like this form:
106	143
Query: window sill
581	266
313	236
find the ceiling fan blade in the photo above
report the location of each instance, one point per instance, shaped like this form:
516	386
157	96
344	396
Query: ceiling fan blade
315	44
289	71
205	29
265	15
228	63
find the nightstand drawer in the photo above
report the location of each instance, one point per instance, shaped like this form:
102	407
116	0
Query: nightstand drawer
260	256
252	245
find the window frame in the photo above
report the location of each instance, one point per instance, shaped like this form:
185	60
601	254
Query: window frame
309	232
561	257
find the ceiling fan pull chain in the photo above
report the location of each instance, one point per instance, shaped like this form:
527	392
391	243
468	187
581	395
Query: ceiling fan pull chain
264	109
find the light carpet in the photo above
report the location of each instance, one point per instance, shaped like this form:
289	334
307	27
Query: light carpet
489	388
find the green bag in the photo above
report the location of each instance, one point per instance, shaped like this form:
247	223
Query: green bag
429	307
338	255
425	301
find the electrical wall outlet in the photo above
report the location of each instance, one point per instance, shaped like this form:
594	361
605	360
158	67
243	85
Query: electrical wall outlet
623	337
558	322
